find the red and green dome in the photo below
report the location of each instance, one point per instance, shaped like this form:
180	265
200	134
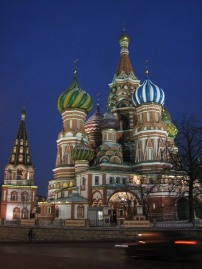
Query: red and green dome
74	97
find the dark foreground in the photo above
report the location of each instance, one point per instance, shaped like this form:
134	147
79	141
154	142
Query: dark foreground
31	255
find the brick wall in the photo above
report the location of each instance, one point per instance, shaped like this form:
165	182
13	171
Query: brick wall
19	233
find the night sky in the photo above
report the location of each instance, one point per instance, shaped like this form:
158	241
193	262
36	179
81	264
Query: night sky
40	39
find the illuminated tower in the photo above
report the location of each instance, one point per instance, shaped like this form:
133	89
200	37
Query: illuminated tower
18	191
150	131
73	104
119	99
93	128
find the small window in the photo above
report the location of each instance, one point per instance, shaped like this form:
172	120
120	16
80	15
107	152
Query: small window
49	210
97	180
118	180
14	196
78	124
83	181
148	116
111	180
121	214
140	118
38	210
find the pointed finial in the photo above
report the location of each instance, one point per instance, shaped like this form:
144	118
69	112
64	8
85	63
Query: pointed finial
23	113
124	27
147	68
75	66
98	99
124	37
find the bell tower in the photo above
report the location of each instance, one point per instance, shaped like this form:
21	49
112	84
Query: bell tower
18	191
73	104
124	83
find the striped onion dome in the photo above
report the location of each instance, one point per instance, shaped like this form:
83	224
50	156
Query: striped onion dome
93	123
82	152
74	97
109	121
148	92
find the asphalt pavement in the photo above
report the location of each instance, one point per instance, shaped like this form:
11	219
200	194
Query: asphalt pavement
82	255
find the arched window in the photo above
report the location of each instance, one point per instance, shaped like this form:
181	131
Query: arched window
19	174
65	185
58	186
9	174
80	211
14	196
24	196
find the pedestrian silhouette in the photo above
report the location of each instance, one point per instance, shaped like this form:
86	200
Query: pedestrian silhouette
30	234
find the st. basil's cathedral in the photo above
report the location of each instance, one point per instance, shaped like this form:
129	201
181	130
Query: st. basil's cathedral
109	167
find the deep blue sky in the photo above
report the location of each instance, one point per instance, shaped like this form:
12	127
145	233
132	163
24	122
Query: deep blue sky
40	39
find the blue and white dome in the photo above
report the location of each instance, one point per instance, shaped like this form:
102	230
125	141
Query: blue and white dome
148	92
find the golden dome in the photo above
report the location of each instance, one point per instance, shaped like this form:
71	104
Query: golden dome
124	37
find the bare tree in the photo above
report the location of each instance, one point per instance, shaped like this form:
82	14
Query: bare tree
189	143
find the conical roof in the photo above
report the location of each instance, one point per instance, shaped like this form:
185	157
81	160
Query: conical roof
124	67
20	153
93	123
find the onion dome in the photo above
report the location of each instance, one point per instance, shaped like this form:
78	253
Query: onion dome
93	123
109	121
171	128
165	116
148	92
82	152
74	97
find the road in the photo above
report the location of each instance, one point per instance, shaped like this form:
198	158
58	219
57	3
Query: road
83	255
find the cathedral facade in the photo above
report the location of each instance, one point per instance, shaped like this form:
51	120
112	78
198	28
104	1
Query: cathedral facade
115	164
110	167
